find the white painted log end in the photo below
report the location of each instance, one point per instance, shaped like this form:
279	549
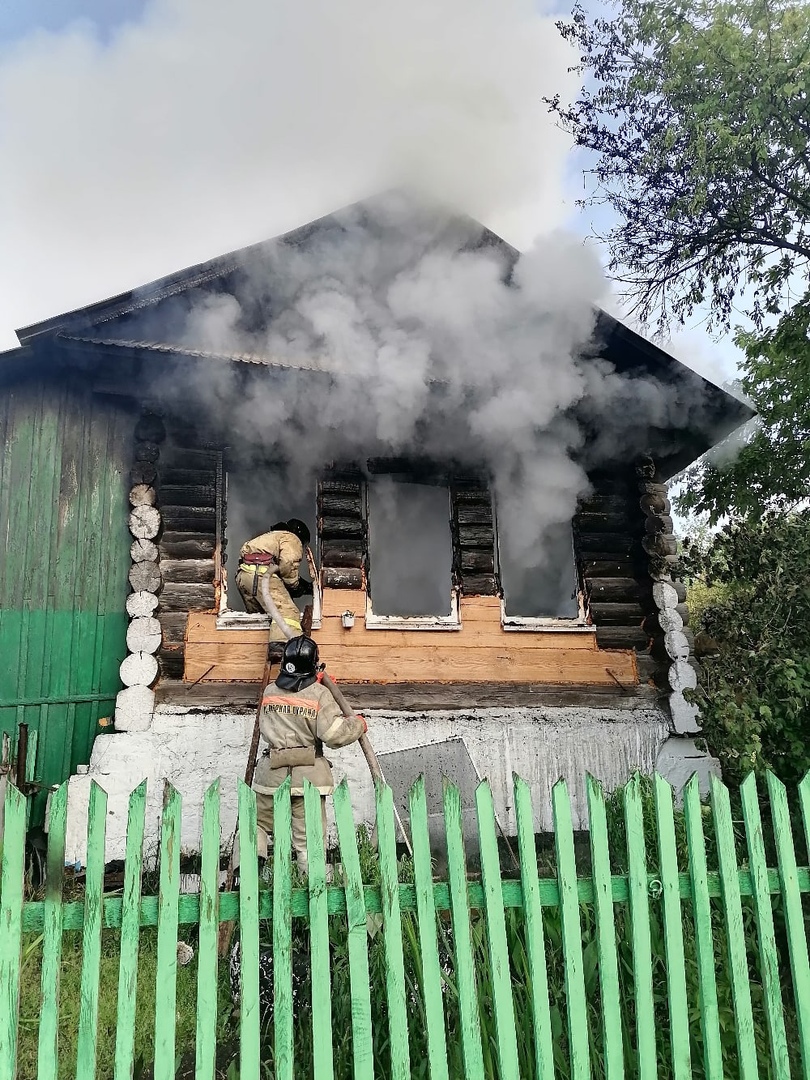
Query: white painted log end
143	551
144	522
138	669
141	603
144	635
134	708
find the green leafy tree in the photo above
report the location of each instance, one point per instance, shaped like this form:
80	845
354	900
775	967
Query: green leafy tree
750	594
698	116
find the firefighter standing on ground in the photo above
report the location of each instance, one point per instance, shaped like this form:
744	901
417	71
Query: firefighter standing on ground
278	553
298	717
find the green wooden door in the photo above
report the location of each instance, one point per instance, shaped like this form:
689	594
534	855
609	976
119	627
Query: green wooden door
63	566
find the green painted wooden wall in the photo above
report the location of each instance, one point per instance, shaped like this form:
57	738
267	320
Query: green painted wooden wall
63	565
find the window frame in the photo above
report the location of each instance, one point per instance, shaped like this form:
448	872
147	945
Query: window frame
230	618
550	623
373	621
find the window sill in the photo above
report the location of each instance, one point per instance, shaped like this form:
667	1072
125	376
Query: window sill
558	626
244	620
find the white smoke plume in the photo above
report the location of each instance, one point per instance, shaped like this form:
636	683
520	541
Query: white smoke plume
205	126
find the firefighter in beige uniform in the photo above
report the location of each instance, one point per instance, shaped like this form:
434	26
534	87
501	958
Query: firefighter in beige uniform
298	718
279	554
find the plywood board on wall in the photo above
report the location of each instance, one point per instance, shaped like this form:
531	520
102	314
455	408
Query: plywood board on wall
481	651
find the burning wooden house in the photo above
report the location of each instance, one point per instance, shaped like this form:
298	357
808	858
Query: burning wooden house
148	436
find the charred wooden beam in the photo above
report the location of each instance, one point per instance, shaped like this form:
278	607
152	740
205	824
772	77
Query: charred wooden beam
175	477
474	560
190	458
480	585
623	590
342	578
609	522
621	637
172	663
201	495
337	486
342	553
476	536
341	506
144	472
607	504
186	545
341	528
178	596
610	614
195	519
605	543
619	566
188	570
174	628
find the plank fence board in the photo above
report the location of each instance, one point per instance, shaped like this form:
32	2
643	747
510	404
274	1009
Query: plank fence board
529	977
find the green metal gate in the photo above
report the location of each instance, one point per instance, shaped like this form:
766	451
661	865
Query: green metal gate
63	566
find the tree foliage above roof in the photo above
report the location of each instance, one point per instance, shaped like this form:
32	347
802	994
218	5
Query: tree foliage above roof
698	113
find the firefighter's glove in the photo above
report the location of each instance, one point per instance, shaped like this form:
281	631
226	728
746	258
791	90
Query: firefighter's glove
303	588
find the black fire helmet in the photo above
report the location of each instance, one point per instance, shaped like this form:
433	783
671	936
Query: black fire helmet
299	529
299	664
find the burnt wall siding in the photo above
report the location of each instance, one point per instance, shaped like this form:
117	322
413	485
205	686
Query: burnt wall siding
342	531
473	528
190	480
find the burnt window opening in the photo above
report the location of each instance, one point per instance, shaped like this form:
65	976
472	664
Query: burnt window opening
256	496
539	581
410	551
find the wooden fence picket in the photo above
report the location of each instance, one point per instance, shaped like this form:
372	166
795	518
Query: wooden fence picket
282	933
168	897
735	932
769	957
91	932
704	940
575	999
426	915
357	935
605	932
130	936
392	936
673	931
462	939
474	1002
48	1040
320	968
794	915
11	909
535	942
502	1004
207	960
249	1012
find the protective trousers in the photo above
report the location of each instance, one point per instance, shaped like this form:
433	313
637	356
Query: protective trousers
247	582
264	819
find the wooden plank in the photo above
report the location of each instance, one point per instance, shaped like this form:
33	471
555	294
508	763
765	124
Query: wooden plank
575	999
704	939
207	961
392	931
362	1047
322	1053
130	937
187	571
503	1005
673	931
609	985
166	971
91	933
466	986
735	932
768	953
794	918
426	917
432	663
11	906
249	1013
640	929
282	933
535	944
186	597
48	1040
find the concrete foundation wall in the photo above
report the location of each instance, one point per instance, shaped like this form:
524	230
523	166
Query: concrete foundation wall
192	748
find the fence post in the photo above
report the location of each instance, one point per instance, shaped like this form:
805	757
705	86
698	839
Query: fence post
322	1053
207	959
392	935
48	1041
362	1046
249	1018
11	904
130	936
91	934
166	966
575	1000
605	932
282	933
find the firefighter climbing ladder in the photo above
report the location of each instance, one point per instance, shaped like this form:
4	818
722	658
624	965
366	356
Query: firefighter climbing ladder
658	970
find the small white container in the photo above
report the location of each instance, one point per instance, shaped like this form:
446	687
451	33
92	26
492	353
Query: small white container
347	618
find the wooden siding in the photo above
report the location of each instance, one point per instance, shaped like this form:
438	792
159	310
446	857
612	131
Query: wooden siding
480	652
63	566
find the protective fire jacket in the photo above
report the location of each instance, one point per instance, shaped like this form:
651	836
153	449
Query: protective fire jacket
296	726
286	549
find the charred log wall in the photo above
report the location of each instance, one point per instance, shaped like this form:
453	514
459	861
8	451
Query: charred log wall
473	529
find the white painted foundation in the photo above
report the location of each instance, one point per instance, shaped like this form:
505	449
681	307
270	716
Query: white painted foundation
191	748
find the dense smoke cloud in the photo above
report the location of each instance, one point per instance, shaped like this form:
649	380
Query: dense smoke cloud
205	126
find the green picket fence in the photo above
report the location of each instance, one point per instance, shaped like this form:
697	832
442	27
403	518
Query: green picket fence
679	951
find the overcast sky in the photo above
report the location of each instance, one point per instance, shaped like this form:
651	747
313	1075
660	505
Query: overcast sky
140	136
